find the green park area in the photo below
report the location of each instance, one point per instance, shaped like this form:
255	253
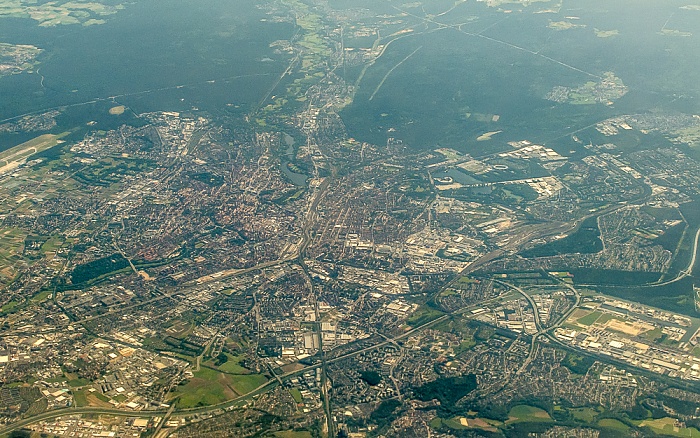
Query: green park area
527	414
210	387
614	425
293	434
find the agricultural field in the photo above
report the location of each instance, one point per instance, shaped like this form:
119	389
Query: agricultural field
51	14
529	414
11	246
614	425
671	427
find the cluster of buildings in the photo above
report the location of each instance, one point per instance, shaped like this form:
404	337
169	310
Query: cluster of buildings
515	315
643	337
77	427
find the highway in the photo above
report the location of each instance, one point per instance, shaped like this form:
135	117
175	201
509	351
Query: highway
532	231
689	271
541	330
538	324
172	410
270	384
164	420
154	299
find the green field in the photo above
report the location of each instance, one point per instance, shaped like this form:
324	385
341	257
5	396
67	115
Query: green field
435	423
448	292
208	387
293	434
296	394
467	344
80	398
101	397
665	426
584	414
75	383
233	366
590	319
10	306
616	425
653	335
423	315
247	383
605	317
526	413
452	423
41	296
52	244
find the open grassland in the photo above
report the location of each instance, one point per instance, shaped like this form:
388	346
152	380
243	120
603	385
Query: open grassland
233	365
210	387
296	394
614	425
423	315
11	247
247	383
668	426
293	434
584	414
589	319
526	413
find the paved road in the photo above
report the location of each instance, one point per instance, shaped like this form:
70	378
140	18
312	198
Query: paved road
164	420
233	402
689	271
541	330
154	299
538	324
206	409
